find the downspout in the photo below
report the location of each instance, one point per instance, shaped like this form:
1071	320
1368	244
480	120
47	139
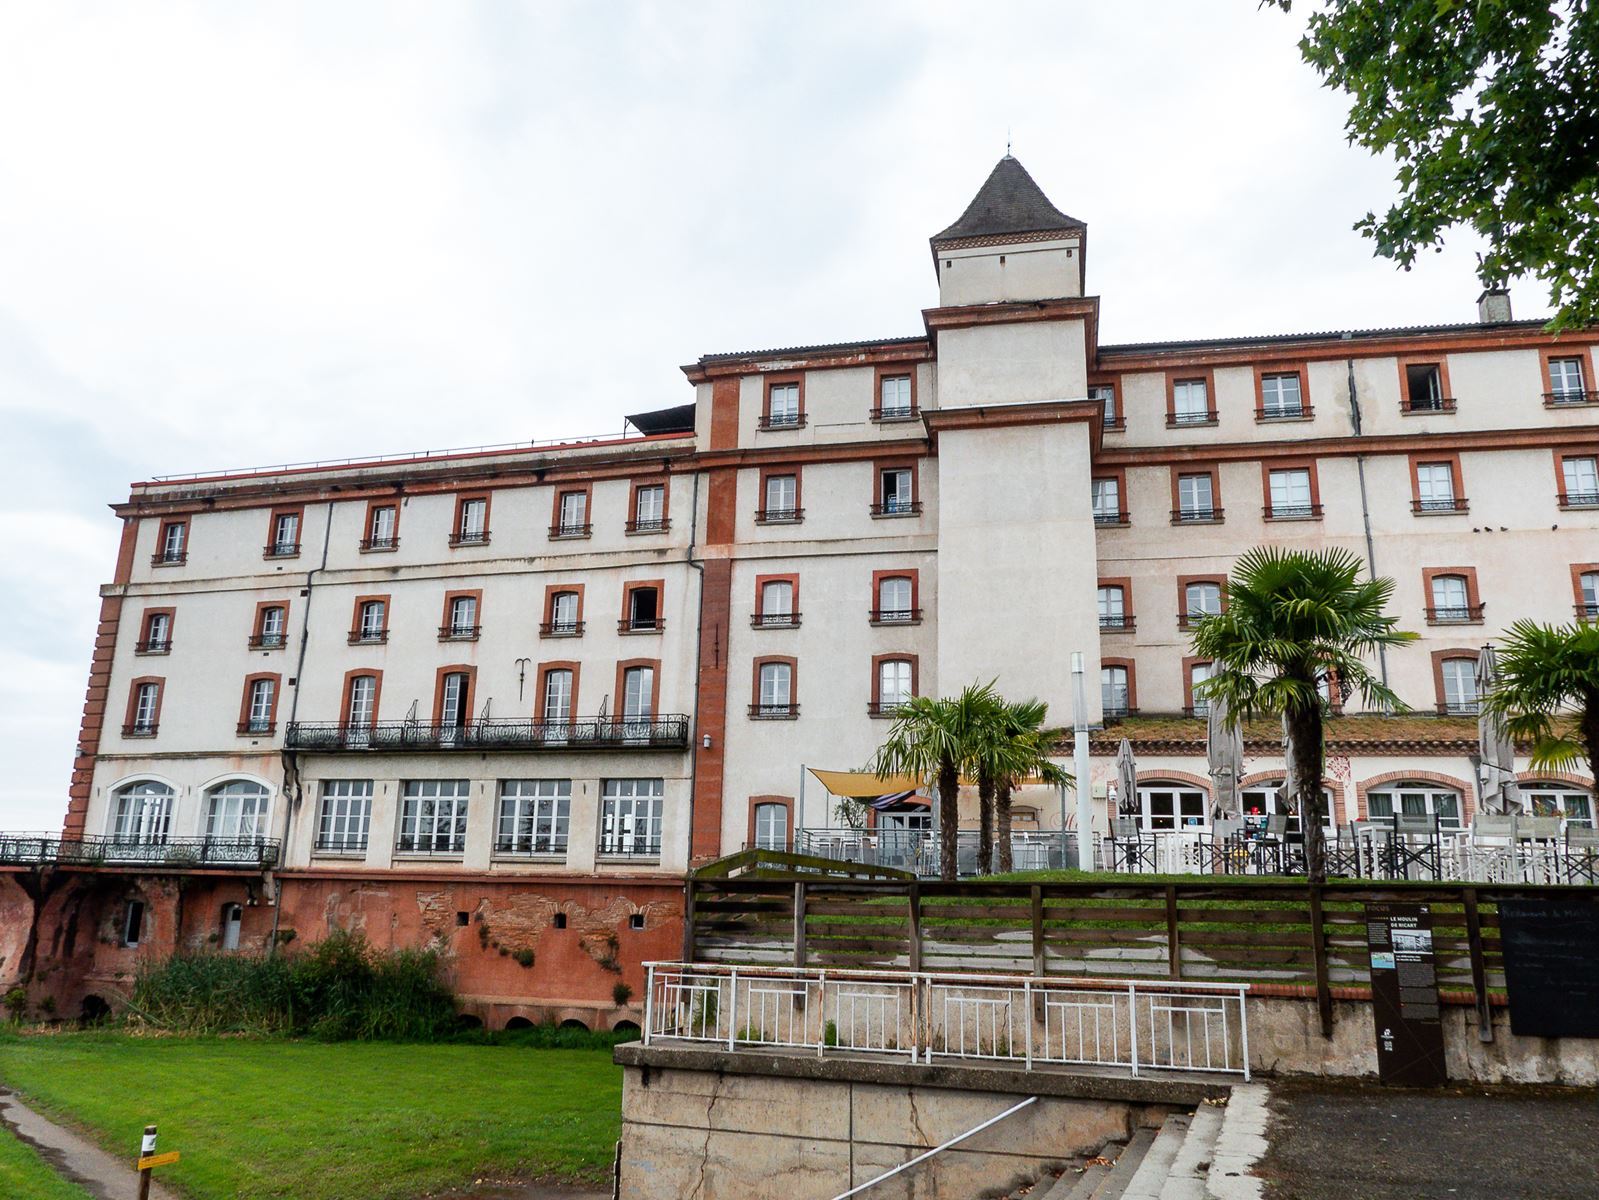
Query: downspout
1365	506
291	766
699	625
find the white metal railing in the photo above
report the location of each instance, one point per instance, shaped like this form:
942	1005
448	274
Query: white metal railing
938	1149
923	1016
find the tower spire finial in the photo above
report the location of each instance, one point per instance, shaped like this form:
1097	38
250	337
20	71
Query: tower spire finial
1007	141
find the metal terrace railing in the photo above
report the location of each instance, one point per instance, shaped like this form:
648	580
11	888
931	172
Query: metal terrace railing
925	1016
43	849
668	732
917	850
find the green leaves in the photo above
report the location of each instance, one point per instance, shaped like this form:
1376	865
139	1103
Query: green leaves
1546	672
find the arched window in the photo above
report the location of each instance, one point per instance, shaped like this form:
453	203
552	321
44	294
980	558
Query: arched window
894	685
1170	806
1548	798
232	919
1262	800
236	811
1113	691
771	827
1416	799
1450	599
1459	686
142	815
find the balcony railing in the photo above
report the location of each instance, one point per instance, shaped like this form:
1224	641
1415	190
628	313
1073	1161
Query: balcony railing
169	558
40	849
895	616
1196	516
1178	420
1187	620
1196	710
1111	518
780	620
1579	499
340	845
561	629
884	708
368	637
1113	423
1291	512
774	712
1429	404
153	646
1455	614
887	416
649	525
460	633
140	729
1302	412
257	728
1458	708
432	845
377	545
1117	622
1569	398
549	846
779	516
1439	504
267	641
668	732
782	421
469	538
1115	712
629	846
897	508
281	550
1588	612
571	531
918	849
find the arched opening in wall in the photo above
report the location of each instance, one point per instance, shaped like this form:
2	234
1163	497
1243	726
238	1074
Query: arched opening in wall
232	919
1420	798
1552	798
516	1023
628	1030
1172	806
467	1021
94	1010
1262	800
573	1023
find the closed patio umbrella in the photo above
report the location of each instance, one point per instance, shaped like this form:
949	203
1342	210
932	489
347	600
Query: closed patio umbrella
1496	774
1126	779
1224	746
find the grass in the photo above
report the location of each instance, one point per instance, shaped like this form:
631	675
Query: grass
317	1121
26	1176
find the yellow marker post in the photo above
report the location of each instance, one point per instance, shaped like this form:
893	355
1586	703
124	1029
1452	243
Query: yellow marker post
148	1160
158	1160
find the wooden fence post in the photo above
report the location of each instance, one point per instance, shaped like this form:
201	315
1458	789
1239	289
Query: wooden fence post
799	923
1038	930
688	920
1479	967
913	898
1174	951
1318	953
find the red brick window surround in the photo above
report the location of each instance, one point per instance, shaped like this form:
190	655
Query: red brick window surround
454	691
1116	604
1436	485
1107	389
563	610
774	690
381	527
1585	589
896	488
359	701
1282	393
171	543
258	705
1195	671
283	532
894	393
1424	385
155	631
895	679
777	602
462	619
1191	398
557	698
1118	686
1451	596
572	512
896	597
471	524
369	620
1568	376
630	699
783	402
643	606
771	822
145	695
647	503
270	629
1454	680
1108	497
1577	474
781	499
1199	595
1291	489
1196	494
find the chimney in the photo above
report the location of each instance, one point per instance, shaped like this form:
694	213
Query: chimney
1493	306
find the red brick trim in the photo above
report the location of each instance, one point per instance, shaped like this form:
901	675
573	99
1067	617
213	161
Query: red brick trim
386	502
572	489
1434	458
1554	779
377	693
891	371
360	603
721	506
1189	663
633	585
710	717
296	511
488	512
133	698
1469	574
895	656
1160	775
244	701
1125	582
544	668
1468	798
662	481
793	677
768	382
1585	353
551	590
470	672
787	803
1267	466
799	486
760	590
1264	369
171	615
161	537
1182	594
1438	658
1441	361
1132	676
475	594
724	412
260	615
1560	457
911	573
1204	375
622	668
896	464
1178	470
1578	570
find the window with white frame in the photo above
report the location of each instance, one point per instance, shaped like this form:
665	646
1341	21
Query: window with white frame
1588	583
345	820
638	698
1435	487
259	709
1172	806
158	632
474	521
894	396
1581	476
777	602
1450	598
1198	674
649	507
273	620
558	696
781	495
1201	599
1416	800
380	532
142	813
893	683
574	513
771	827
896	484
775	691
1196	498
1190	402
1460	685
146	704
894	599
535	815
174	538
630	817
1566	383
783	404
463	616
362	709
1113	691
1263	800
1290	493
373	623
454	697
1105	393
1107	499
563	612
433	816
1112	606
1547	799
285	534
236	811
1280	396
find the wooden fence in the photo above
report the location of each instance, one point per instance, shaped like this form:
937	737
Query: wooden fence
1234	931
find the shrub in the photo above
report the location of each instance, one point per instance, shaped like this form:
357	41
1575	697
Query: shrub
16	1002
524	956
621	993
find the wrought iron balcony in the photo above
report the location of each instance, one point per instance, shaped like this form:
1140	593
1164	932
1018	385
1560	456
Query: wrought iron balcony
774	620
449	844
39	849
1302	412
1292	512
531	846
1117	622
1570	398
1180	420
1187	620
1455	614
561	629
281	550
625	846
1439	504
460	633
1196	710
779	516
667	732
339	845
887	416
267	641
1429	404
649	525
782	421
1458	708
153	646
1588	612
884	708
897	508
140	729
895	616
774	712
641	625
468	538
1197	516
377	545
169	558
1113	424
1112	712
1579	499
1120	517
368	637
571	531
257	728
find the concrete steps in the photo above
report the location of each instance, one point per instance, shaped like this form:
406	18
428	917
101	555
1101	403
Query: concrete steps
1102	1180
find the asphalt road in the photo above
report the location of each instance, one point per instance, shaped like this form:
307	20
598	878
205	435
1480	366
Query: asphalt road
1332	1142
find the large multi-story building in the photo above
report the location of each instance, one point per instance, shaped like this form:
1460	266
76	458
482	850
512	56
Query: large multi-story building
499	690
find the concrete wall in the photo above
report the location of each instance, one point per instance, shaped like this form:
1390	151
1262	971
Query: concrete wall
1007	364
1041	270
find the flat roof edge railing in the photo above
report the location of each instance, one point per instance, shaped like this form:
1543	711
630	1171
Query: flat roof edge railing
95	850
657	732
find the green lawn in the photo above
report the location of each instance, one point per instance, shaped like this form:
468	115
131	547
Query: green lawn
26	1176
317	1121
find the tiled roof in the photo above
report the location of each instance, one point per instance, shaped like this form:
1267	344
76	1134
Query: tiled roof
1275	339
824	348
1358	735
1008	202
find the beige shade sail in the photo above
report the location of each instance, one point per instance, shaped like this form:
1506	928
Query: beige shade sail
863	784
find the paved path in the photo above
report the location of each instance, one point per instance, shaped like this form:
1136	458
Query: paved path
1333	1142
104	1177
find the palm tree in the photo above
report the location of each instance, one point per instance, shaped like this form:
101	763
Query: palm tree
1295	620
937	739
1025	755
1544	669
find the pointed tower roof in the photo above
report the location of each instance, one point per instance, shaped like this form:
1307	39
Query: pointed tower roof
1008	202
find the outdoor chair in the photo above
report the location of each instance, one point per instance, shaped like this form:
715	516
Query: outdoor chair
1267	851
1130	850
1416	849
1373	837
1490	849
1582	854
1538	845
1343	855
1224	851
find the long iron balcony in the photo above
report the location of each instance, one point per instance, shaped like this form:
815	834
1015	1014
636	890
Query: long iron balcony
665	732
44	849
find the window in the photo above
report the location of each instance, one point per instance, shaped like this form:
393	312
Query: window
360	710
1264	800
895	685
260	705
1170	806
1201	598
1190	400
1459	686
172	544
283	540
776	608
142	815
1424	388
642	609
1546	799
471	521
1588	594
345	820
638	702
1580	474
1451	600
895	601
630	817
1291	494
371	621
783	406
780	499
1280	397
649	509
557	698
534	816
563	620
1198	703
271	621
571	515
1416	800
1107	499
460	617
1115	697
455	705
144	709
1113	614
894	401
433	817
132	923
771	827
1435	487
1196	498
232	920
1110	411
1566	382
382	524
774	690
157	637
236	811
896	493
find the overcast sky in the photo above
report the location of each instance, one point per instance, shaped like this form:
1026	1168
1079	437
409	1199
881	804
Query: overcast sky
234	234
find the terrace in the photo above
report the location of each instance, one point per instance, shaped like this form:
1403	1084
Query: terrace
52	850
668	732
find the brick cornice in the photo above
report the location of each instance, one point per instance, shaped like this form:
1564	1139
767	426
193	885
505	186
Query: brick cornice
1317	347
1537	437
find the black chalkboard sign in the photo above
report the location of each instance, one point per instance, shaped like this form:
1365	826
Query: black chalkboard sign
1552	966
1404	995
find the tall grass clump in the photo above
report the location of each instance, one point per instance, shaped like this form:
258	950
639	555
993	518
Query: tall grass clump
339	989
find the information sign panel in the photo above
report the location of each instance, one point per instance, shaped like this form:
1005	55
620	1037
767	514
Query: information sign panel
1404	995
